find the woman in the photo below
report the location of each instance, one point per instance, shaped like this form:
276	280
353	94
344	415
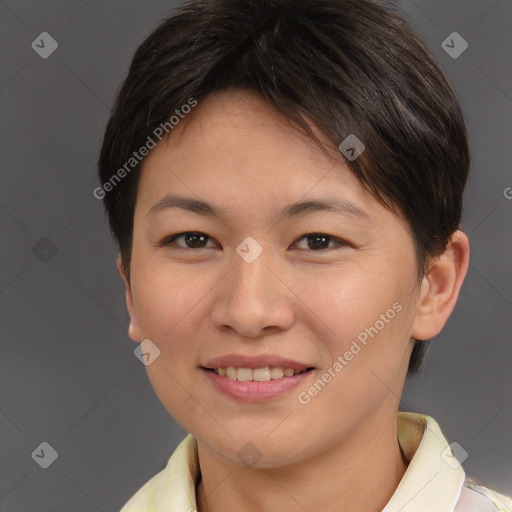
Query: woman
284	180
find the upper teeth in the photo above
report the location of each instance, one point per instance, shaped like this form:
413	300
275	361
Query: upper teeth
257	374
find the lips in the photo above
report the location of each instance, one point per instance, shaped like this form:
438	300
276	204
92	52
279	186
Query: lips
254	388
261	361
255	379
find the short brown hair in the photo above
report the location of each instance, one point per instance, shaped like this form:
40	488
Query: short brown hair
347	66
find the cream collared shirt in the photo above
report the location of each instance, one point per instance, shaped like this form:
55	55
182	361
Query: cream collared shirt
434	480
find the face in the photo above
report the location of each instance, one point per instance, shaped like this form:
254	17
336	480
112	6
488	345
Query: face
262	285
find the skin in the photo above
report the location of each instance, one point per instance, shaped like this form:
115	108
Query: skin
306	304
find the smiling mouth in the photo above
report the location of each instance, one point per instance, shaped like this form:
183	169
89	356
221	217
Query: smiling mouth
262	374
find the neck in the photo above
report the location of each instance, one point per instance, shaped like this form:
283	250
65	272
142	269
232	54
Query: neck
360	471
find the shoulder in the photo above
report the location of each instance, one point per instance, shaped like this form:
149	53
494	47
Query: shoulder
144	500
477	498
173	488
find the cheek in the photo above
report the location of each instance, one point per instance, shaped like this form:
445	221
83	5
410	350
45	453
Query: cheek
369	314
170	309
168	301
366	350
351	298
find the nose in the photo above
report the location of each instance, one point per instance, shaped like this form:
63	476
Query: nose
252	299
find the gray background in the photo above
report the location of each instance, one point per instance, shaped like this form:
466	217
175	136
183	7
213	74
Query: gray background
68	373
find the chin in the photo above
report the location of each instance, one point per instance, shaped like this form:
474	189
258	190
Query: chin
258	452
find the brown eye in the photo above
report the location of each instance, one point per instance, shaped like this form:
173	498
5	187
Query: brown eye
193	240
320	241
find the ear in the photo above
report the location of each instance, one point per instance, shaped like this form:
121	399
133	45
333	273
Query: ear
440	288
133	329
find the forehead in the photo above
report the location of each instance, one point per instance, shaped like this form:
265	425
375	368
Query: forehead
234	151
241	125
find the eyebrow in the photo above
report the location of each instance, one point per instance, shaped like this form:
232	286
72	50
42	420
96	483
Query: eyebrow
299	209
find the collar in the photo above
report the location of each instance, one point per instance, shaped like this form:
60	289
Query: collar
434	479
432	482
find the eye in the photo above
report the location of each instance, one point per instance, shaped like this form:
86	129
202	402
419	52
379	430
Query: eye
193	240
197	240
320	241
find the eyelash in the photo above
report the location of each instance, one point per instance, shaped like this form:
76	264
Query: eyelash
166	242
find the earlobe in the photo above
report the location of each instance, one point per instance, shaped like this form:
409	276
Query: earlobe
133	329
440	288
